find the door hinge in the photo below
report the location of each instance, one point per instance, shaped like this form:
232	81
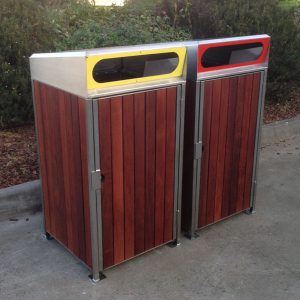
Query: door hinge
96	179
198	150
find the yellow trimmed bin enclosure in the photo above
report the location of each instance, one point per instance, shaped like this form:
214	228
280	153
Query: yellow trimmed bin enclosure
110	131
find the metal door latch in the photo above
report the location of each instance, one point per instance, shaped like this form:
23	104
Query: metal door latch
198	150
96	179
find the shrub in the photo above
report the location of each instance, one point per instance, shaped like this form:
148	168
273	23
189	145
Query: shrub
117	27
30	26
220	18
23	30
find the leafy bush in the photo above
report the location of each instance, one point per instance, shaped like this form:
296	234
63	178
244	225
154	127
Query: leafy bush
29	26
23	30
220	18
115	27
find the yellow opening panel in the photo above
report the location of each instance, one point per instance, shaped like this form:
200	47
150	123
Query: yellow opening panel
91	62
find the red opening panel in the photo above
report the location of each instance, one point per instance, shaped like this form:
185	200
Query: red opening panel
228	54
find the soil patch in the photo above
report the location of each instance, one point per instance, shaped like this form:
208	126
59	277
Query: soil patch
18	156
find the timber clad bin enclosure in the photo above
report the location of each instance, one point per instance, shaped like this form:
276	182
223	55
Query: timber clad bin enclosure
110	129
132	138
224	105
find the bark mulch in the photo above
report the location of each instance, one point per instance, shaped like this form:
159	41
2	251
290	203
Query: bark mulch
18	156
283	110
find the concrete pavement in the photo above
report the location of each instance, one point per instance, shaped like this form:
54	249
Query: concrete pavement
244	257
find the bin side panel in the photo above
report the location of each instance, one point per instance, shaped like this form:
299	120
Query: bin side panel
60	123
229	127
137	157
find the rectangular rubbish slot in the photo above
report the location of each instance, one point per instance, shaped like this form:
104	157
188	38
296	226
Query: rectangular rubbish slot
230	53
132	67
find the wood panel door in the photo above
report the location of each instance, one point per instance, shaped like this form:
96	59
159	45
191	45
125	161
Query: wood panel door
137	138
229	129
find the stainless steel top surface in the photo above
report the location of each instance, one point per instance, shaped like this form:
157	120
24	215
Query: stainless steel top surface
110	50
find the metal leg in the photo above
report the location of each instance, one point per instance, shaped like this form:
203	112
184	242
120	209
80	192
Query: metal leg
48	236
97	277
249	211
191	235
174	244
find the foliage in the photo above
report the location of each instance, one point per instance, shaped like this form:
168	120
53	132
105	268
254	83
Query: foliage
289	3
30	26
116	26
142	7
23	30
219	18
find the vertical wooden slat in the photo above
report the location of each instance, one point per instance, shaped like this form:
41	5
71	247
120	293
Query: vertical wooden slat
229	145
84	180
57	189
77	178
48	154
69	157
170	163
221	149
139	172
150	169
117	174
251	139
65	120
244	143
60	201
160	165
206	150
128	148
213	154
106	185
237	144
42	153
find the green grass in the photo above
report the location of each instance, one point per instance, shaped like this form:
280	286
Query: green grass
290	3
